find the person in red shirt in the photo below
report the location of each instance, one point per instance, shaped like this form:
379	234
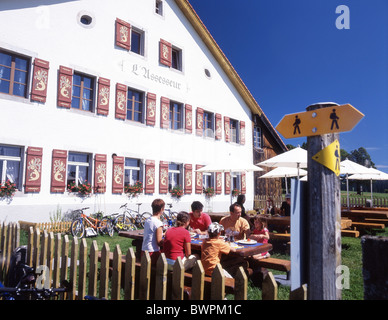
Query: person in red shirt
177	243
199	221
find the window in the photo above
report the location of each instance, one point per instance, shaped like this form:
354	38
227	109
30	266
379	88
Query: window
174	175
137	41
176	115
234	132
135	102
159	7
132	170
257	137
77	168
208	124
13	74
176	59
208	179
236	180
82	94
10	164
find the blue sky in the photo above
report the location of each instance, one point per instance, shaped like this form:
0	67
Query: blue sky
290	54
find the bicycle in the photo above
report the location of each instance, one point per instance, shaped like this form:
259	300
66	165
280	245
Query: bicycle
129	219
90	226
169	217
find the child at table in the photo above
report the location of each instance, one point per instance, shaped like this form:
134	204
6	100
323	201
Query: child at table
177	243
261	234
213	248
153	231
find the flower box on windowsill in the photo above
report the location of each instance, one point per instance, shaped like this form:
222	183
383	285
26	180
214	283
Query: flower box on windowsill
7	190
134	190
82	189
176	192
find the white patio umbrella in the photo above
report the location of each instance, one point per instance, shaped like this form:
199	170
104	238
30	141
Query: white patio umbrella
294	158
373	174
232	166
284	172
350	167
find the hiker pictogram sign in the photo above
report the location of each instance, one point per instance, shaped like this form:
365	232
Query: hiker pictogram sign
330	157
320	121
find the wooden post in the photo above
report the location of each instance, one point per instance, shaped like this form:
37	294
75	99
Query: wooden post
324	220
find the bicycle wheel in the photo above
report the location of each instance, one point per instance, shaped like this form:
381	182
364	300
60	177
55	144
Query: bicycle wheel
106	226
144	216
124	223
173	217
77	228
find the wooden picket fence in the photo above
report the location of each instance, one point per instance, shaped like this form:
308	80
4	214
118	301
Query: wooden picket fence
364	201
93	272
56	227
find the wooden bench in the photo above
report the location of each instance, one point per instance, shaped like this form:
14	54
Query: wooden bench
279	236
275	264
350	233
367	225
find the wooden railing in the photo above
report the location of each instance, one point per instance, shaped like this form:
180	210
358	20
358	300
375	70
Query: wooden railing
364	201
91	272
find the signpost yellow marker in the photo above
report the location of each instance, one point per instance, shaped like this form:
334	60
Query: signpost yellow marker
320	121
330	157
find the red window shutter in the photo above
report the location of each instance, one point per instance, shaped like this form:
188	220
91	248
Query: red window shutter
227	128
163	177
199	122
39	80
165	113
123	34
121	101
188	178
198	180
218	126
103	96
242	132
243	183
58	171
100	173
65	86
227	182
150	176
33	169
165	52
151	109
118	175
188	118
218	182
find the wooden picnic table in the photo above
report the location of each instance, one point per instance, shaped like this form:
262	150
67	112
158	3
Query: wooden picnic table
241	251
363	214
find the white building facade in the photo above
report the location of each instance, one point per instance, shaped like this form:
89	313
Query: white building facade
114	93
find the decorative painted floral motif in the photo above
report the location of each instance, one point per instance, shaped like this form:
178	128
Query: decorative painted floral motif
65	85
59	169
124	32
121	100
118	174
41	77
34	169
101	173
104	96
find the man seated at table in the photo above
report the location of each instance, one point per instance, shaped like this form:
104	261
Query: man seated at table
235	224
286	206
239	228
199	221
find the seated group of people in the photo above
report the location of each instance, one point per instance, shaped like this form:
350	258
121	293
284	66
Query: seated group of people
176	241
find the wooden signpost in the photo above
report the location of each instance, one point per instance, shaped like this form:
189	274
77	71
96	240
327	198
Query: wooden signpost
321	124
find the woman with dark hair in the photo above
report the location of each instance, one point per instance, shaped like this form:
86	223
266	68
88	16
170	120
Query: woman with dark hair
177	242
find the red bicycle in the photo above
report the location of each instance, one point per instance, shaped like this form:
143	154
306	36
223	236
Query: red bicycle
91	226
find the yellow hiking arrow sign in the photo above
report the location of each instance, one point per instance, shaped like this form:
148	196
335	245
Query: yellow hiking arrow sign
320	121
330	157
